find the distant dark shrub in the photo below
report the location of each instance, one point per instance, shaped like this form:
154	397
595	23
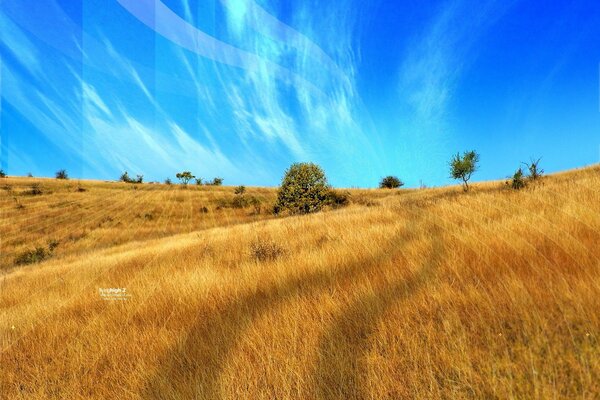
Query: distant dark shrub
390	182
34	190
304	189
29	175
198	181
32	256
62	174
2	173
240	190
217	182
18	204
264	250
204	210
338	199
125	177
168	181
518	180
52	244
80	188
256	204
239	202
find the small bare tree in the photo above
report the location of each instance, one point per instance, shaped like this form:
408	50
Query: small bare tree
534	171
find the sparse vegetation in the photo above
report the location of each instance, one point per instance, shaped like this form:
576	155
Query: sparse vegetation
304	189
217	182
463	167
2	173
240	190
62	174
168	181
198	181
37	255
390	182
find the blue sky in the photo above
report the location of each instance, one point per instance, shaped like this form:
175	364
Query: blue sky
242	88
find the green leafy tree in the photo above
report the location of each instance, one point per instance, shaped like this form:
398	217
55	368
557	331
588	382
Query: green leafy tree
198	181
62	174
217	182
139	179
463	167
390	182
304	189
184	177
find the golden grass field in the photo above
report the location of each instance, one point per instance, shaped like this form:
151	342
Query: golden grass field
405	294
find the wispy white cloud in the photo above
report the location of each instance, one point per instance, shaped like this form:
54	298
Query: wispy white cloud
438	56
91	96
15	41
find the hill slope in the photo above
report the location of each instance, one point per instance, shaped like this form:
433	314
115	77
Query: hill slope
429	293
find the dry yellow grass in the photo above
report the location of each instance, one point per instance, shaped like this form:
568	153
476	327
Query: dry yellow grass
422	294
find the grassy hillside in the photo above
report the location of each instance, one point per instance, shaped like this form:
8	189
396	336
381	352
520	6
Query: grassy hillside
404	294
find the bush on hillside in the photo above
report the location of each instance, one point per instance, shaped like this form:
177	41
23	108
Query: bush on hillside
34	190
2	173
337	199
390	182
125	178
518	180
62	174
304	189
37	255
